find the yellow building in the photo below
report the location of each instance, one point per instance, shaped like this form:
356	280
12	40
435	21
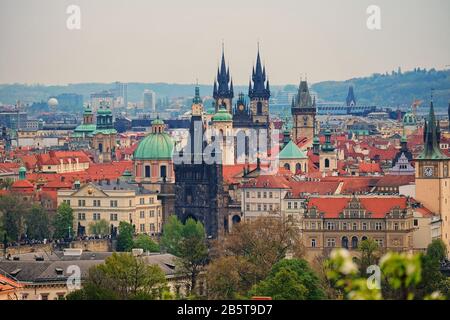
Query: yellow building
432	177
113	202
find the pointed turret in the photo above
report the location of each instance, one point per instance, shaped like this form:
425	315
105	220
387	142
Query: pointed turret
223	80
350	100
431	148
259	89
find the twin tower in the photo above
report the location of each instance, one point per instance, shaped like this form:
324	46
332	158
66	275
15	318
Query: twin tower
257	113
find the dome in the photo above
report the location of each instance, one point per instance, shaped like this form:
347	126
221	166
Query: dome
409	119
52	102
157	121
156	146
22	169
222	115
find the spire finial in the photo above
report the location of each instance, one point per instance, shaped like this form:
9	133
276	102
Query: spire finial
431	94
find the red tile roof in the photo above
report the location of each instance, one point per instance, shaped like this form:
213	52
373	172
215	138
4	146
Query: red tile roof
331	207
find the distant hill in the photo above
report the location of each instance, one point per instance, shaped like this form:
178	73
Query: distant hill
393	89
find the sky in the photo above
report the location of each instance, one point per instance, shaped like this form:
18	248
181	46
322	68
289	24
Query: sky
180	41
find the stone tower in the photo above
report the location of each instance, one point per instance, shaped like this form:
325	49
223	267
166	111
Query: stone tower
223	87
259	94
304	114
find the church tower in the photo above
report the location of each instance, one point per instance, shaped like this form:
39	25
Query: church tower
104	137
327	155
351	100
304	113
432	177
223	91
259	94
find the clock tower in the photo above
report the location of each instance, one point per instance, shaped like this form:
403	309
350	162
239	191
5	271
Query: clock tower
432	177
304	113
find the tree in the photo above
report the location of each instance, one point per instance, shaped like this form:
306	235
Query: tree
99	228
432	278
63	222
6	184
370	254
12	212
290	280
37	223
145	242
125	238
187	242
123	277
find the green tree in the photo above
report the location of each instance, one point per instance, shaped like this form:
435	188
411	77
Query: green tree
145	242
63	222
12	212
370	255
187	242
123	277
6	184
291	279
99	228
37	223
125	238
172	235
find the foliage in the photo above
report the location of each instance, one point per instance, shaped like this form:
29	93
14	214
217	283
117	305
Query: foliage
123	277
37	223
63	221
6	184
145	242
125	238
370	255
400	276
290	279
256	247
12	213
99	228
187	242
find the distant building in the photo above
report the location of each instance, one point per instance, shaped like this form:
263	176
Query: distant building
101	98
149	101
70	101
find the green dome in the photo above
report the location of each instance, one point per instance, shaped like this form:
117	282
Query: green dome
104	111
156	146
22	169
222	115
409	119
157	121
211	111
316	140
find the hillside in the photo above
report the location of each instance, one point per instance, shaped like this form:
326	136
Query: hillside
394	89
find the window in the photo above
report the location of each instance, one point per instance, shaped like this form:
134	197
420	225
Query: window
378	226
354	242
265	207
141	201
247	207
379	242
313	243
66	202
364	226
271	207
152	227
330	226
81	203
113	217
142	227
81	216
313	225
344	242
270	195
259	194
96	216
295	205
142	214
264	194
152	213
331	242
24	296
344	226
259	207
327	163
355	227
44	296
151	200
163	172
96	203
113	203
396	226
289	205
147	171
247	194
416	223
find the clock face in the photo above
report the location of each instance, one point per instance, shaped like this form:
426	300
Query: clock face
428	171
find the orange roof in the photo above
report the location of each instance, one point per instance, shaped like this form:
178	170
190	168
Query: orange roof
365	167
312	187
268	182
8	285
378	206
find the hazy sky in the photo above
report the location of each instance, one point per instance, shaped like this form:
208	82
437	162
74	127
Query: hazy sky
180	40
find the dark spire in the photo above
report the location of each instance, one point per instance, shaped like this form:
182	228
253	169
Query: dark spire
350	97
431	148
215	88
425	131
259	78
231	88
438	132
223	80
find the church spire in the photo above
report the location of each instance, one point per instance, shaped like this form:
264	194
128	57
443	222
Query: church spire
431	148
223	80
260	88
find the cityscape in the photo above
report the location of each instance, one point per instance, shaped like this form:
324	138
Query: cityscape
323	189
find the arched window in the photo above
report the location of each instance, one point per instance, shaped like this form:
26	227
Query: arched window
259	107
236	219
364	238
163	171
100	147
327	163
354	242
147	171
287	166
298	167
345	242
